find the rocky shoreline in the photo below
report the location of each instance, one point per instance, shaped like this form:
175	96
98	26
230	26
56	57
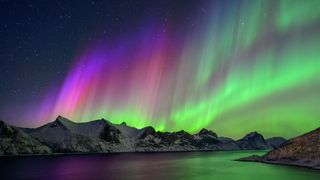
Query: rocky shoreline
302	150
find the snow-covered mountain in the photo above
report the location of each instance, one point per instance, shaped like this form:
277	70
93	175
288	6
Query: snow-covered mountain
101	136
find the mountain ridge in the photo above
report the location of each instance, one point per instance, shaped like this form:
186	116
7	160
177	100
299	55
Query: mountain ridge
102	136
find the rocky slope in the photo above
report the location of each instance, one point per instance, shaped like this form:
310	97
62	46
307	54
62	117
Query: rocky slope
14	141
303	150
101	136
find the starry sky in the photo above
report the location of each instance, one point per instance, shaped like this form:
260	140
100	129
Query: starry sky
231	66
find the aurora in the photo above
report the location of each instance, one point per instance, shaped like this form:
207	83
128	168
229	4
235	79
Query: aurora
233	67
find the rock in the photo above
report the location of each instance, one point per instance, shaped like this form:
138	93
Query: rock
110	134
147	131
250	158
303	150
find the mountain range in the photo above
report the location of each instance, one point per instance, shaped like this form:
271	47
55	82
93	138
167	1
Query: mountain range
102	136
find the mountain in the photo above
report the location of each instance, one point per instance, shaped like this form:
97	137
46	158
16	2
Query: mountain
151	140
64	136
275	141
208	140
303	150
254	141
14	141
228	144
101	136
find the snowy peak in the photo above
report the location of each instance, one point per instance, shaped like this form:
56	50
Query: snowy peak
183	135
204	132
89	129
60	123
128	130
57	124
64	121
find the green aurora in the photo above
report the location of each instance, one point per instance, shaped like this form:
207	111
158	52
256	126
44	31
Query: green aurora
270	50
238	66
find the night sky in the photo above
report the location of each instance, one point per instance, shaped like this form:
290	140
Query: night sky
39	39
230	66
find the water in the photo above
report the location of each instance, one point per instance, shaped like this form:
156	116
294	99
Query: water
151	166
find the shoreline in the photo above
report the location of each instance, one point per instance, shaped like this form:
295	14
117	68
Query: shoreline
128	152
259	159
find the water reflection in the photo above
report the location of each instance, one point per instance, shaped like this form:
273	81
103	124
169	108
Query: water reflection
198	165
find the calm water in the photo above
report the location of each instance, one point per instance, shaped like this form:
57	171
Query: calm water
198	165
